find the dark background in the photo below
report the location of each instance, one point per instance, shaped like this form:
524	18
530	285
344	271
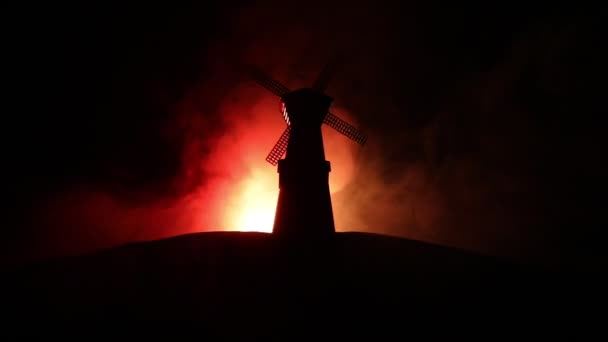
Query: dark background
500	105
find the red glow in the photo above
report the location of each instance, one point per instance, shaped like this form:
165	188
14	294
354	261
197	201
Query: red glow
253	204
250	185
244	196
226	182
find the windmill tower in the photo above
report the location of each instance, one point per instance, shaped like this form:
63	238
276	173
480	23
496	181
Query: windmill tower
304	208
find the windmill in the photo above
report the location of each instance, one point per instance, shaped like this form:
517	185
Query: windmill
304	205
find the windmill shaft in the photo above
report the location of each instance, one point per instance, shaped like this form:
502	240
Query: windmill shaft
305	145
304	209
304	206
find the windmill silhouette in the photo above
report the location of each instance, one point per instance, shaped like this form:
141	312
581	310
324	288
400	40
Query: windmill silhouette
304	206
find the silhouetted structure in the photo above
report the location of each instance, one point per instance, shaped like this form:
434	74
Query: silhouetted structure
304	207
249	284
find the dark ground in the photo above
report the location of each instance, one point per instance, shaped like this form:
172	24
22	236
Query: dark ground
250	279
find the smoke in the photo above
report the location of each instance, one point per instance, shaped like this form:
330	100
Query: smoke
224	125
450	154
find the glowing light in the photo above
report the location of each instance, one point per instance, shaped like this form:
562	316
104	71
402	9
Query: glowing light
243	197
284	112
255	202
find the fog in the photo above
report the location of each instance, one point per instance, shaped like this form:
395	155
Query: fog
452	117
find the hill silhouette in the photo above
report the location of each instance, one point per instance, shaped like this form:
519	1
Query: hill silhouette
255	278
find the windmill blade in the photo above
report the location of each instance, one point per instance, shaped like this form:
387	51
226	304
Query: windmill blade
262	79
279	148
326	73
345	128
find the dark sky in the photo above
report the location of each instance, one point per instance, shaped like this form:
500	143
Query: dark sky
485	120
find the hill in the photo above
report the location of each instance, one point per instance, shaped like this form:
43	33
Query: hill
254	278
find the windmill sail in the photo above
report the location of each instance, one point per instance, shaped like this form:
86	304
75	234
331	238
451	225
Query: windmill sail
261	78
279	148
280	90
345	128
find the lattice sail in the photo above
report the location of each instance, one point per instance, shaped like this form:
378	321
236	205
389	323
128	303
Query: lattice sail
279	148
345	128
261	78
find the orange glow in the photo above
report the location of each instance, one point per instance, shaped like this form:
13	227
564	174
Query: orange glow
250	196
231	187
254	204
252	200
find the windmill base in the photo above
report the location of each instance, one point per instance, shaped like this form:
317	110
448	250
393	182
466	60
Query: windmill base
304	209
